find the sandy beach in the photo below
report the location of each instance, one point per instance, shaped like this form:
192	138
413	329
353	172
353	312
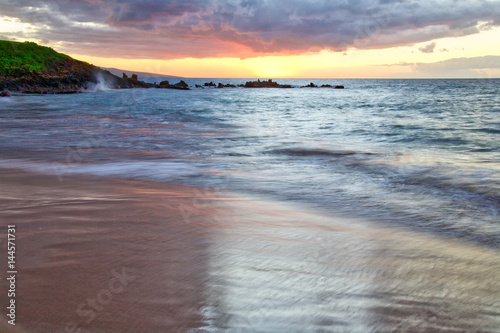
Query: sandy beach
107	255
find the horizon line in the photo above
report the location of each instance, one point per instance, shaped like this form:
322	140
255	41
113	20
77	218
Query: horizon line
319	78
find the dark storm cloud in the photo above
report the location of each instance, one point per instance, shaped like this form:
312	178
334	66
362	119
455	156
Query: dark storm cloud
143	12
201	28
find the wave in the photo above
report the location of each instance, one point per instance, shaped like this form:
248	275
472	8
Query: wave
314	152
101	85
145	170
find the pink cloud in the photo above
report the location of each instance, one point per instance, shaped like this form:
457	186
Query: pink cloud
243	28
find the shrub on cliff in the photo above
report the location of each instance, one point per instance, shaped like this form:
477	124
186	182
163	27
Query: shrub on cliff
20	59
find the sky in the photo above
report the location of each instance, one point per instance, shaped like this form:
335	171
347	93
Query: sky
268	38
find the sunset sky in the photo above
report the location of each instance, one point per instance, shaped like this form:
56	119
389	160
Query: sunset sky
268	38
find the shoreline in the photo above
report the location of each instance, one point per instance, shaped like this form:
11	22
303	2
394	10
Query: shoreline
30	86
192	259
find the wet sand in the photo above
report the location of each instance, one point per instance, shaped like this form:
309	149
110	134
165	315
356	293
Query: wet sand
99	254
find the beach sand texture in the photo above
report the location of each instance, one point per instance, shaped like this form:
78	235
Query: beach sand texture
98	254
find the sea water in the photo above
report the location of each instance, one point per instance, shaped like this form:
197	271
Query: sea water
421	155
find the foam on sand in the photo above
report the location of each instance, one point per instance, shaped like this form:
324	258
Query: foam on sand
207	260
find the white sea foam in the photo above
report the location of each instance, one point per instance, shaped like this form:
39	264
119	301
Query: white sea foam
146	170
101	85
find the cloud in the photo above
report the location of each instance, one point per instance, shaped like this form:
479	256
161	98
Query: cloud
429	48
141	13
455	67
202	28
485	62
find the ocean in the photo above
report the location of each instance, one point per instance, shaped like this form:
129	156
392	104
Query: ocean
417	155
373	208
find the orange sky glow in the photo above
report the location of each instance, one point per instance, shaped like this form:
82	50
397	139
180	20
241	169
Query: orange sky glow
379	63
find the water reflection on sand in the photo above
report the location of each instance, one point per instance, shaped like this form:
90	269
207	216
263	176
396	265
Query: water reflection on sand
225	263
273	268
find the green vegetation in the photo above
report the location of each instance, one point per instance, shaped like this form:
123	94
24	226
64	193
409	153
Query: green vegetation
21	58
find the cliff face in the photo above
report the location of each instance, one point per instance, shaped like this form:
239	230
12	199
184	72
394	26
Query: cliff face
30	68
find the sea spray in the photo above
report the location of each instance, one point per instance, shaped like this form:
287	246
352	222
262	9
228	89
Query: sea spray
101	85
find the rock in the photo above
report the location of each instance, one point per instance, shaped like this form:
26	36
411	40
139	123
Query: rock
166	85
181	85
124	76
134	77
310	85
264	84
326	86
339	87
219	85
5	93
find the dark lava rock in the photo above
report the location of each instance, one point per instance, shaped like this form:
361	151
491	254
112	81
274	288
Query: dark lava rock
310	85
179	86
339	87
164	84
264	84
72	79
5	93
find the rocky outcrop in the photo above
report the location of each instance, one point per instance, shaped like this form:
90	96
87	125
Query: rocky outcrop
179	86
264	84
5	93
228	85
312	85
42	83
71	77
164	84
78	81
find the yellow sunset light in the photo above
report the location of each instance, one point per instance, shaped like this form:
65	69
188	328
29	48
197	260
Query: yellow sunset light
354	63
271	67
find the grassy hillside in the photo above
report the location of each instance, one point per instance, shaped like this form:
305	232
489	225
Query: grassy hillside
30	68
18	59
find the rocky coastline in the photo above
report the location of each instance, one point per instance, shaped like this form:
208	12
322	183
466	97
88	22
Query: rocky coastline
33	69
87	79
26	67
78	81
